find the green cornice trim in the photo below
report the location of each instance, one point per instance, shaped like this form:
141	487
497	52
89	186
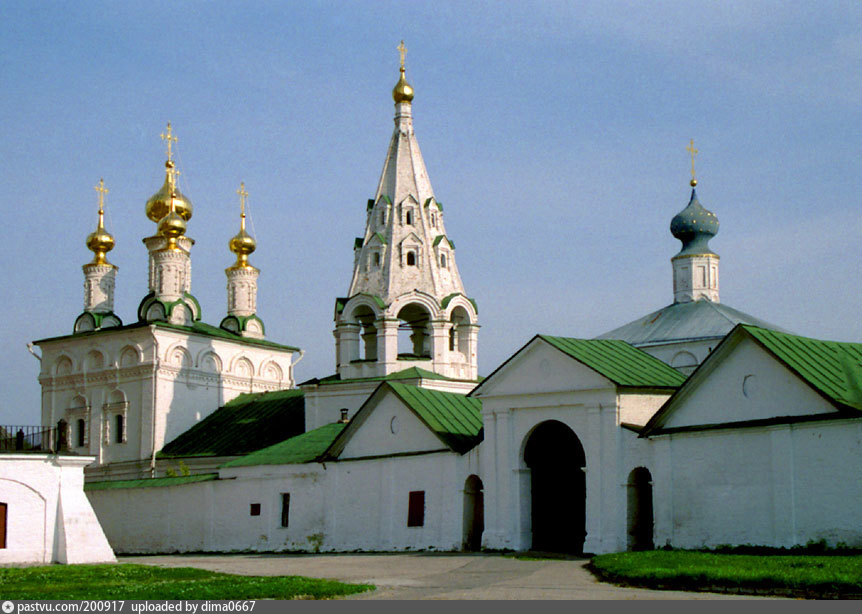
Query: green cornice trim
387	199
357	242
370	204
439	238
449	298
187	299
98	318
380	237
242	322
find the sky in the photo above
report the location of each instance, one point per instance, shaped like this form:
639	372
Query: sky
554	133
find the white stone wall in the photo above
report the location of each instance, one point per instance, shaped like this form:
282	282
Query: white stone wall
777	486
99	280
343	506
695	277
48	517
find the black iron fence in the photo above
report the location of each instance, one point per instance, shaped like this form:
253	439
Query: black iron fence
33	439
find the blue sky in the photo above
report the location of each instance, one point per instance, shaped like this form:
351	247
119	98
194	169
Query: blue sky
553	132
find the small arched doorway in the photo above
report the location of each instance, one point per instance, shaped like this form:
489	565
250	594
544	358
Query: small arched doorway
557	465
639	510
474	514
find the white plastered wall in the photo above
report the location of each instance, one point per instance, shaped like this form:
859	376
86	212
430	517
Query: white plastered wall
48	517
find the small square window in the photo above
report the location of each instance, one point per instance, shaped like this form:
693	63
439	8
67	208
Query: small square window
416	509
254	509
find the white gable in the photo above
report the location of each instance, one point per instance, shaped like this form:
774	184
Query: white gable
748	384
541	368
391	428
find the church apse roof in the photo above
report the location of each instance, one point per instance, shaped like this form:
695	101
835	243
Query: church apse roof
248	423
702	319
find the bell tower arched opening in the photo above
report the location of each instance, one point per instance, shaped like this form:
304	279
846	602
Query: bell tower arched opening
557	464
414	339
365	317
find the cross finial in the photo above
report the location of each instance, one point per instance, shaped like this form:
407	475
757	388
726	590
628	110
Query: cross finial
402	50
102	190
243	194
690	149
170	139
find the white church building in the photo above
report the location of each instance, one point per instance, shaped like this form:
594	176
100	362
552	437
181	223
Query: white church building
696	425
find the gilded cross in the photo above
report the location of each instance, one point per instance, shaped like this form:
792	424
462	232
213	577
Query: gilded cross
102	190
402	50
242	196
170	139
693	153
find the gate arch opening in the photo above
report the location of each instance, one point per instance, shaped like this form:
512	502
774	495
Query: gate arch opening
557	464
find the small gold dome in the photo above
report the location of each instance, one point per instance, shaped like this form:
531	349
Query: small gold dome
172	226
242	244
403	91
100	242
160	203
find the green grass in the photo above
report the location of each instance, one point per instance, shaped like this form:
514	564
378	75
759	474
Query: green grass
799	574
148	582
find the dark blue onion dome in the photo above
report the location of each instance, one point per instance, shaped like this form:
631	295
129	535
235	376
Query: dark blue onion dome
694	226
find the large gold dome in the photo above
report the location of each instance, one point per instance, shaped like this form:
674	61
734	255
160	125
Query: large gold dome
159	203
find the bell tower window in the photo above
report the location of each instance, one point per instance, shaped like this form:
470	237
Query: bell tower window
409	218
376	259
411	258
443	260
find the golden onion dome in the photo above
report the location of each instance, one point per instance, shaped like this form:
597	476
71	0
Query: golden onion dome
242	244
172	226
403	91
160	203
100	242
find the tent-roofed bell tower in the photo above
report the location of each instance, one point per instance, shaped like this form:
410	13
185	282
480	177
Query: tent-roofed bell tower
406	306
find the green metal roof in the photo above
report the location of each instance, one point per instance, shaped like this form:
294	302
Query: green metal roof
689	321
618	361
200	328
247	423
150	482
454	418
440	238
411	373
305	448
833	368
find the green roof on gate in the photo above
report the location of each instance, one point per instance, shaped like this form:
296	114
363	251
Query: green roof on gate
623	364
248	423
455	418
304	448
833	368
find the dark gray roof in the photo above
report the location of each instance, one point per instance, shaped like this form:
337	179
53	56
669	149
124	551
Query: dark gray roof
690	321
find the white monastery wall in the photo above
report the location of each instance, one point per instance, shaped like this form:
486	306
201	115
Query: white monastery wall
639	408
778	486
48	517
352	505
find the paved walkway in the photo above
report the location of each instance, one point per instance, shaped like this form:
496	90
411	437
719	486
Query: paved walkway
430	575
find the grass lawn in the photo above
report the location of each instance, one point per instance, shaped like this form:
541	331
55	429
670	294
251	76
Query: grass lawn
797	574
147	582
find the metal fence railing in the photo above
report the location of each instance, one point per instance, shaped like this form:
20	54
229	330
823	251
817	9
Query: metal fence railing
32	439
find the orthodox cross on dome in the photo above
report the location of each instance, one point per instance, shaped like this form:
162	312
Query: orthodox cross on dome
102	190
693	153
243	194
170	139
402	50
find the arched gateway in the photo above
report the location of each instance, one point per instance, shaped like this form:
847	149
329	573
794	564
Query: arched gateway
556	460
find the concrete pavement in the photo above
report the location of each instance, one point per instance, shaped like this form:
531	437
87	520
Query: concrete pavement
424	575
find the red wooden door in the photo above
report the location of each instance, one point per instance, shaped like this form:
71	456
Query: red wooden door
2	525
